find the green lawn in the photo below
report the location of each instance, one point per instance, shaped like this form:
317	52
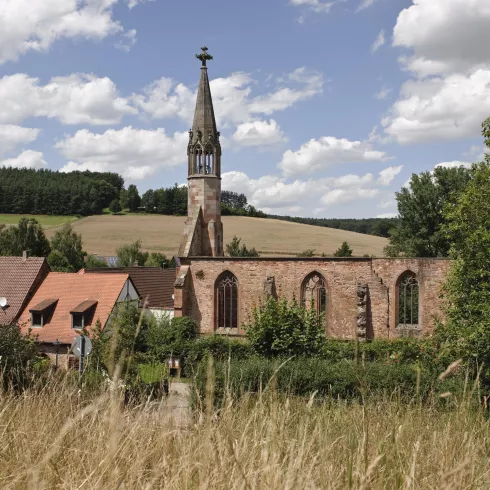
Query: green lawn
45	220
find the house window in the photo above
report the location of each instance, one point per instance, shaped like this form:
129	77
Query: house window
227	301
37	319
314	293
77	320
408	302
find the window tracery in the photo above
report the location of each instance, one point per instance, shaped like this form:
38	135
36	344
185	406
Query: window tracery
227	301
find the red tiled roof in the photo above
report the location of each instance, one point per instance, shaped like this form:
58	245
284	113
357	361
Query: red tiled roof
154	284
18	278
71	290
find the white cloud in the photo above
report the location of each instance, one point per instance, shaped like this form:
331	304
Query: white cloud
387	175
34	25
454	164
451	107
74	99
135	153
365	4
322	153
133	3
27	159
163	99
445	35
315	5
276	195
259	133
383	93
127	41
232	98
387	215
378	42
12	136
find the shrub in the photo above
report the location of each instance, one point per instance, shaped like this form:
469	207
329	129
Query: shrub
343	251
17	351
285	328
304	376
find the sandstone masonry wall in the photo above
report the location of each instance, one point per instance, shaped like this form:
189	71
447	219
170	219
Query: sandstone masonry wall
342	276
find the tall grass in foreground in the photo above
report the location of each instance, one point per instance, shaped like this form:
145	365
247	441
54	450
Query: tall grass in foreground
56	437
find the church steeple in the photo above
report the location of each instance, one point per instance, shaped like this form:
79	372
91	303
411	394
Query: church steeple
204	149
203	233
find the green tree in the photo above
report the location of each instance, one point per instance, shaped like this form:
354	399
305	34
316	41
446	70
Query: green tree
170	337
466	333
234	249
17	351
419	232
115	206
123	198
93	262
157	259
280	328
27	236
122	340
59	263
133	198
128	255
343	251
69	244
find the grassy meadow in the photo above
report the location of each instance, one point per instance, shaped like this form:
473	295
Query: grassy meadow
58	437
103	234
47	221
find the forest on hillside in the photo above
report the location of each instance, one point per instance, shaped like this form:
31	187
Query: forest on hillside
29	191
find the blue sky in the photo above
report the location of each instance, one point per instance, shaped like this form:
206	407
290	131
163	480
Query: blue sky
325	107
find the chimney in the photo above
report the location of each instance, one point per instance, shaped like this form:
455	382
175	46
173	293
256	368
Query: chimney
24	256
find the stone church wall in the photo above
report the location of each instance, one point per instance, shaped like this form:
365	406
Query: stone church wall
361	292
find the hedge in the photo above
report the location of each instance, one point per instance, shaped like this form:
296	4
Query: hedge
340	380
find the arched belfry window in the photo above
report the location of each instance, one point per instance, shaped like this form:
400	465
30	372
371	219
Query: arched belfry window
226	294
314	292
199	162
408	301
209	157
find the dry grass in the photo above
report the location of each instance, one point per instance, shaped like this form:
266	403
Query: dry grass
55	439
103	234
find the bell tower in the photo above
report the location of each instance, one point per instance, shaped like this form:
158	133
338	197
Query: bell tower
203	235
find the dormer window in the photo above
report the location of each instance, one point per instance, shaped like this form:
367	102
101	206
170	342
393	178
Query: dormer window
78	320
37	319
82	315
41	313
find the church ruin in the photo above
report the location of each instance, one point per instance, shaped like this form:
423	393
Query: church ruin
357	296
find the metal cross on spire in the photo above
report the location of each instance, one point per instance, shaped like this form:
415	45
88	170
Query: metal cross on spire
204	56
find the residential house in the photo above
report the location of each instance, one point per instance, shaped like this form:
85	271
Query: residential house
66	303
20	277
154	284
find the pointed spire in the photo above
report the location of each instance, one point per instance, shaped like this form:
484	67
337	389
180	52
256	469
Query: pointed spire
204	120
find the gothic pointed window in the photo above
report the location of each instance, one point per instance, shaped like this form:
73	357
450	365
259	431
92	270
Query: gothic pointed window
226	295
408	302
208	160
314	293
199	161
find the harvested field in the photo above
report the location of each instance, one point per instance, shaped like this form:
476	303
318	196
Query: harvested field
103	234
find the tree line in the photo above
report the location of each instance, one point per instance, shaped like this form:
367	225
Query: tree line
29	191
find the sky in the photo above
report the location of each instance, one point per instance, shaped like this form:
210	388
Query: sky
325	107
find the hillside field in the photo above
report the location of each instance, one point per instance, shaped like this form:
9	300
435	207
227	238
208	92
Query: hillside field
104	233
47	221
